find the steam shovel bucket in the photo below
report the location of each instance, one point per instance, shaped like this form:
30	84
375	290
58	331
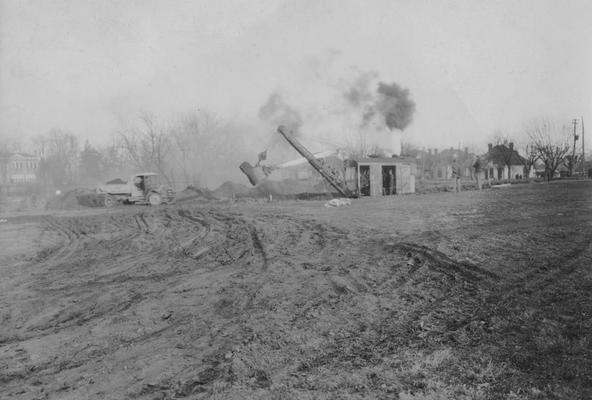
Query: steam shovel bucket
255	174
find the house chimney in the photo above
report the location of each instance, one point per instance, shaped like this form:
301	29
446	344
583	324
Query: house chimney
511	146
489	147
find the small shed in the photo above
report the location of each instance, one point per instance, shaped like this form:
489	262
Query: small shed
385	176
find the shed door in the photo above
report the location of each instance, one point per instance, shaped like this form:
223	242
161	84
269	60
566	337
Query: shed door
364	180
389	180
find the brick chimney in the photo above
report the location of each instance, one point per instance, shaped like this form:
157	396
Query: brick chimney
511	146
489	147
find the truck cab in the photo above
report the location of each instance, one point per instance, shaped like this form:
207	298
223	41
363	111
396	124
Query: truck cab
146	187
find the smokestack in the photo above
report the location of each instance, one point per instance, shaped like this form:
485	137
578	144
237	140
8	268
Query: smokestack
397	138
489	147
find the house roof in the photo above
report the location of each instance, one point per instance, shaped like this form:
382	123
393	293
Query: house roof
447	155
499	154
19	155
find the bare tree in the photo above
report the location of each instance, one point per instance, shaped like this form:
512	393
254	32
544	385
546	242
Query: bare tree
194	148
195	138
550	141
530	157
60	151
148	144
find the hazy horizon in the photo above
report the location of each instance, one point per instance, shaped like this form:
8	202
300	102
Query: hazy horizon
471	67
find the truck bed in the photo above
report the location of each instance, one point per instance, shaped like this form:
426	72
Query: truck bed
115	188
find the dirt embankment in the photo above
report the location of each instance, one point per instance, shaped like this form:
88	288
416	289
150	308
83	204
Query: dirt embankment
480	295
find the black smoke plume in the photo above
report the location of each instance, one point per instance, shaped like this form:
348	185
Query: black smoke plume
394	104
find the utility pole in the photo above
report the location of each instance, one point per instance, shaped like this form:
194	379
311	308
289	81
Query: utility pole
572	164
583	151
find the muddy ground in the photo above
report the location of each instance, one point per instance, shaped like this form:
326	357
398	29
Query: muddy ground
477	295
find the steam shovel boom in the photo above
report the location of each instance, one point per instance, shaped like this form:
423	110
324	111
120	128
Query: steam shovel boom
329	175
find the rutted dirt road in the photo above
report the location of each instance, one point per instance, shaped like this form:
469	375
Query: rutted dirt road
475	295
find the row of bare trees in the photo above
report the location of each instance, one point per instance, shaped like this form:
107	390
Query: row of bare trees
188	149
550	142
543	141
193	148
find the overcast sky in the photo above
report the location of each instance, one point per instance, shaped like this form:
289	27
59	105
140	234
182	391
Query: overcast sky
471	66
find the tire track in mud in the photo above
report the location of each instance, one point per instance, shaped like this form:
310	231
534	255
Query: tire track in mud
71	241
147	228
441	262
204	229
410	291
259	246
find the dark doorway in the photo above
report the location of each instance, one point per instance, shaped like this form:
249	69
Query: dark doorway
364	180
389	180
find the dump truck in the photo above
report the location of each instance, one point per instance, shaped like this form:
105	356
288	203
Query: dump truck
142	188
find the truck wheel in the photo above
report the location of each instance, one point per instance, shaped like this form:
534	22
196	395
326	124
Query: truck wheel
154	199
109	201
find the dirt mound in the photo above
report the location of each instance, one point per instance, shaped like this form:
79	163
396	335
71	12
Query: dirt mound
116	181
67	200
290	187
193	193
229	189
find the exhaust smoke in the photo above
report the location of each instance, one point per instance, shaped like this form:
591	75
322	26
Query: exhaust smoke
394	105
278	112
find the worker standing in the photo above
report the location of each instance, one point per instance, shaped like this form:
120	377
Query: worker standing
456	176
391	177
477	168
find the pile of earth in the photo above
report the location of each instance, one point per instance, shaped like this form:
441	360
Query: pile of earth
67	200
290	188
229	190
193	193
